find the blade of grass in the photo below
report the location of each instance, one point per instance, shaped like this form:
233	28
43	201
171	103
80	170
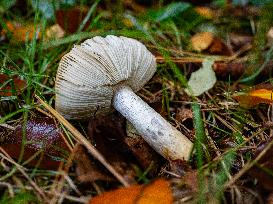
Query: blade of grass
199	142
88	15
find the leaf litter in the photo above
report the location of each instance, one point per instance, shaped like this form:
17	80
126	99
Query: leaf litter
236	116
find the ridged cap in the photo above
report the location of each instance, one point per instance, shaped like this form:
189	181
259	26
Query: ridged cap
88	75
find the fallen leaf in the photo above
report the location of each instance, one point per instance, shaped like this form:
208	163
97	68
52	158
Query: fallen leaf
108	134
40	135
86	169
21	33
10	86
55	32
202	80
254	97
156	192
206	12
201	41
71	19
218	47
229	70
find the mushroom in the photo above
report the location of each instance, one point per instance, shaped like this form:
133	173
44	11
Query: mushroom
102	73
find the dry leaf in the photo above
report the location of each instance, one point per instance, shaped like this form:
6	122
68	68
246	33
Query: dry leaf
13	87
71	19
224	70
201	41
206	12
254	97
218	47
55	32
86	169
40	135
21	33
157	192
108	133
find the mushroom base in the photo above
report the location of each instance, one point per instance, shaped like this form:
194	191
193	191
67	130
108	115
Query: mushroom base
156	131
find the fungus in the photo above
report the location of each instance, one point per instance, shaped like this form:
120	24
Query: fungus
102	73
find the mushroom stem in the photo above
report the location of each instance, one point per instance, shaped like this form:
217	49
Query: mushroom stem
156	131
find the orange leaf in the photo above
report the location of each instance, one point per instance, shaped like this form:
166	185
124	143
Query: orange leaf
255	97
157	192
201	41
21	32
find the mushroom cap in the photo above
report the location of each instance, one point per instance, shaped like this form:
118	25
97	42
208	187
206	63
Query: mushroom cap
89	74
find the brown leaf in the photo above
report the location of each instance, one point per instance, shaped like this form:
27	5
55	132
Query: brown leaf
71	19
86	169
218	47
40	135
225	69
13	87
157	192
108	134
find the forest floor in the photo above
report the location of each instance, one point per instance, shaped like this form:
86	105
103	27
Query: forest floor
213	83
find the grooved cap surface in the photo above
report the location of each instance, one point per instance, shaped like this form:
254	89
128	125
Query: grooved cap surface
89	74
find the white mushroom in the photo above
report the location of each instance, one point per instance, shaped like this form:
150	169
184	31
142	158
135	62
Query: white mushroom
105	72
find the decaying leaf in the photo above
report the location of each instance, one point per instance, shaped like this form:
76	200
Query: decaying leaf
206	12
21	33
108	134
201	41
254	97
202	80
218	47
70	19
10	86
86	169
229	70
156	192
38	135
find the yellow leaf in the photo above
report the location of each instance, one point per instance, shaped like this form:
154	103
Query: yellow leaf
206	12
254	97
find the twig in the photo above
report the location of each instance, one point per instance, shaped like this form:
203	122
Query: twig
82	140
248	166
19	167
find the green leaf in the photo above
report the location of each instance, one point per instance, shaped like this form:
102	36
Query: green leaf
5	5
171	10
